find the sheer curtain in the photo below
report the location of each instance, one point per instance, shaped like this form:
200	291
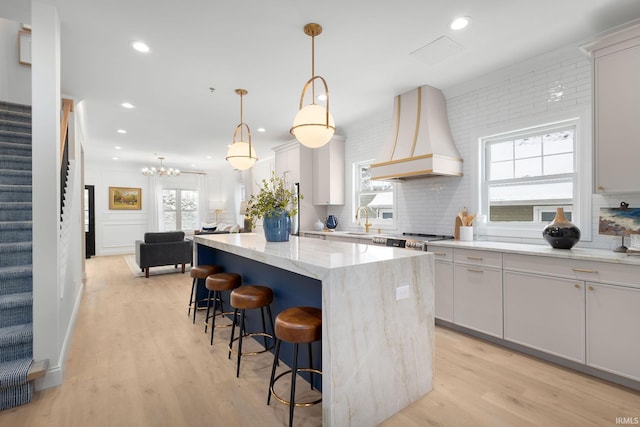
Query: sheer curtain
155	209
203	199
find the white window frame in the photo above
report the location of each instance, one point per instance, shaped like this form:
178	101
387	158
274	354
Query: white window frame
178	210
376	224
581	215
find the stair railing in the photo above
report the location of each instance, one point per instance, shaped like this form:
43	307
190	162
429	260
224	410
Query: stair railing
67	108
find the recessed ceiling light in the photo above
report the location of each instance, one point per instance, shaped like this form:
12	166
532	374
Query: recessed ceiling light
460	23
114	158
209	157
322	97
127	105
262	130
121	131
117	147
140	46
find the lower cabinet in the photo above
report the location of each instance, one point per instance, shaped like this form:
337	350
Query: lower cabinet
545	313
477	297
613	322
444	290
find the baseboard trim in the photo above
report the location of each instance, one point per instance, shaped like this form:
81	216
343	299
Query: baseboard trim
53	378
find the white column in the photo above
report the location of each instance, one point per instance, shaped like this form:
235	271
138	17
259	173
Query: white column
46	189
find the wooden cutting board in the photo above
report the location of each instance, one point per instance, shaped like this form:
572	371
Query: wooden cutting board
456	229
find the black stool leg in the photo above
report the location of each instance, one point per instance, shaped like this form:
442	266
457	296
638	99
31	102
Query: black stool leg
311	365
293	384
206	319
264	327
273	369
240	339
192	299
233	330
217	295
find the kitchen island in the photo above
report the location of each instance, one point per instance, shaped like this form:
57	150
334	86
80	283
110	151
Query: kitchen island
377	315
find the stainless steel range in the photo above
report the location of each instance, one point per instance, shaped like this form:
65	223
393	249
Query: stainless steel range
415	241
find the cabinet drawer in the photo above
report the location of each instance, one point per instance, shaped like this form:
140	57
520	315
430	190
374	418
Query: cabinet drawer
475	257
608	272
441	254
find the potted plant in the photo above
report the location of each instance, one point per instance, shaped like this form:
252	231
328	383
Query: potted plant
276	203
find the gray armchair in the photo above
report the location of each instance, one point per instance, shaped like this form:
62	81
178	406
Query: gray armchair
164	248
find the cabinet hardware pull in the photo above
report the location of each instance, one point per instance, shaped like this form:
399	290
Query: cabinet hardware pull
577	286
582	270
590	288
477	258
475	270
440	253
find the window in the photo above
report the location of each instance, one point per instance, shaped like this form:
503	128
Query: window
528	174
180	209
377	197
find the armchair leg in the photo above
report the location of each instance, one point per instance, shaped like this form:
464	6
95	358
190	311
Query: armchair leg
146	272
183	267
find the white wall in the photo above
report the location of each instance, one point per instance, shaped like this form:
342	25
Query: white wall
117	230
501	100
15	79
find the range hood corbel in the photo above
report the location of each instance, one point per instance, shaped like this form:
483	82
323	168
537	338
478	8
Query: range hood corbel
421	144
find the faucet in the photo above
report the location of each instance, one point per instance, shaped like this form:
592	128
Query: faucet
366	221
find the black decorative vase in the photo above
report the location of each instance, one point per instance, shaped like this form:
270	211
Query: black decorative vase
561	234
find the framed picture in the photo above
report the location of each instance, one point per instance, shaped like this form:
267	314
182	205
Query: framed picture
123	198
24	47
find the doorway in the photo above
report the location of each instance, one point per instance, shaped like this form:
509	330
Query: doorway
89	221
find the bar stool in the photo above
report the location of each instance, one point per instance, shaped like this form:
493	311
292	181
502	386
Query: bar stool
297	325
199	273
246	298
216	283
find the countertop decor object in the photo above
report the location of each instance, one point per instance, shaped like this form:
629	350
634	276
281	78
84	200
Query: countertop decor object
332	222
318	225
276	203
621	221
561	234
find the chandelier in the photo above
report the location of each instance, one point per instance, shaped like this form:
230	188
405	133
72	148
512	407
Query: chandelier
241	154
313	126
161	171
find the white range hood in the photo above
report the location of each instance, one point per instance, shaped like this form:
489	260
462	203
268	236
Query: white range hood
421	143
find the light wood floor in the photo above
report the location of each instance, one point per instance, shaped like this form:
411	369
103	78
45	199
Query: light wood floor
136	360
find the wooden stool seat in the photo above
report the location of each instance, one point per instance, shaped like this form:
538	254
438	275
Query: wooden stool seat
296	325
202	271
248	297
299	325
216	283
223	281
199	273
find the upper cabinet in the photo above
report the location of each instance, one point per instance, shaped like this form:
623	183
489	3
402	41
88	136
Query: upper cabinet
617	111
328	173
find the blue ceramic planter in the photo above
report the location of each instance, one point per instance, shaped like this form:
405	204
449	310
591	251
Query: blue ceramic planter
277	226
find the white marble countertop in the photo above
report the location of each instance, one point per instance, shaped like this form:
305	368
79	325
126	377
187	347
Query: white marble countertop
303	255
543	250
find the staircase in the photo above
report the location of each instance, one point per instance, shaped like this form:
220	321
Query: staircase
16	282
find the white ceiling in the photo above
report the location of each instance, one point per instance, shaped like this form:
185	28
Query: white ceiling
259	45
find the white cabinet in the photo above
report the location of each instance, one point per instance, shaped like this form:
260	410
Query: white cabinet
545	313
477	290
288	161
617	103
328	173
443	266
294	161
613	339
